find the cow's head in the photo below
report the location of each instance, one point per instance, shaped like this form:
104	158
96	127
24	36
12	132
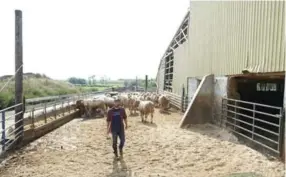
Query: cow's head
136	103
79	104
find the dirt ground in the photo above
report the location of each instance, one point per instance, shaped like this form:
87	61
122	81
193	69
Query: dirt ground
80	149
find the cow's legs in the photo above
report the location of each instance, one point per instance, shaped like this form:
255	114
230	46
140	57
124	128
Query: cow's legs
141	114
130	110
151	117
89	112
86	112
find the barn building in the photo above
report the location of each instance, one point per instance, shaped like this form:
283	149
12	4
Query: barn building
229	57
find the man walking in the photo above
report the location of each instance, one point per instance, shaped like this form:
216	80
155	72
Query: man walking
115	125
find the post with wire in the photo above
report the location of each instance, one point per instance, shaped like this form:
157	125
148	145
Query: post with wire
19	114
146	83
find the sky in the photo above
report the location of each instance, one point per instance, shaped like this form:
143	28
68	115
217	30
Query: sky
80	38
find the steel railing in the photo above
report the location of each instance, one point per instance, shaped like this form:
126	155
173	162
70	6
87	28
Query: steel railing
58	97
33	115
250	120
178	101
8	131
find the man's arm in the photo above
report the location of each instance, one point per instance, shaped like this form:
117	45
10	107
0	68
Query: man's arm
108	120
124	117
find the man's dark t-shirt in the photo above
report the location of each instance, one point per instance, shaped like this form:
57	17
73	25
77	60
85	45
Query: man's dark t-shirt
116	116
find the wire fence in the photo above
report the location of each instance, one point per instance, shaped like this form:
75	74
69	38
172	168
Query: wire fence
40	100
8	131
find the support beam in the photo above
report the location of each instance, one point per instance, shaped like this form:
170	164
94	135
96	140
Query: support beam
177	41
172	48
184	34
19	122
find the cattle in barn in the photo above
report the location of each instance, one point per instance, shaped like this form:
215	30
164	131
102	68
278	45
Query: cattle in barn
97	105
109	102
124	100
142	98
133	103
107	94
164	103
145	108
148	98
155	99
87	106
80	105
135	93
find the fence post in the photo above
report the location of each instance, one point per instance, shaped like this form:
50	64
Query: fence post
33	118
146	83
253	123
282	134
19	118
63	108
183	99
69	108
24	105
55	109
186	102
45	112
235	112
3	131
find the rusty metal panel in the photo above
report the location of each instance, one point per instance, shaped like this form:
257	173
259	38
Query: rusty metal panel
228	37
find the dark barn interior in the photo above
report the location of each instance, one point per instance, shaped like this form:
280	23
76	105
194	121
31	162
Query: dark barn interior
262	90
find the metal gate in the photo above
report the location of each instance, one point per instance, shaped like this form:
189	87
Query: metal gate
259	123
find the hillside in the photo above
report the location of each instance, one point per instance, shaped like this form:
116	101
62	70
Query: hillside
36	85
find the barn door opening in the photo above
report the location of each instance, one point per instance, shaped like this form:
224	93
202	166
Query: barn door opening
257	111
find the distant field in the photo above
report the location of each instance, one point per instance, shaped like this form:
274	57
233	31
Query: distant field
42	87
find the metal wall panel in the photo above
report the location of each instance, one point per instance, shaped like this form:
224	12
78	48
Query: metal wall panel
160	76
181	72
227	37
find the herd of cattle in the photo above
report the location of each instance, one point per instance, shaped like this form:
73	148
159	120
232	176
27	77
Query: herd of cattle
145	103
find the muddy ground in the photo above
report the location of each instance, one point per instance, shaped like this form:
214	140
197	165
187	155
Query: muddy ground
80	149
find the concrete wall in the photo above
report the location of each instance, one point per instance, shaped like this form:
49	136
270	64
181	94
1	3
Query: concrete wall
33	134
199	110
220	91
220	86
181	70
192	86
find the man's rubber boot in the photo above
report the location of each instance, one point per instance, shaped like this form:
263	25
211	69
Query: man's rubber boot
121	152
115	153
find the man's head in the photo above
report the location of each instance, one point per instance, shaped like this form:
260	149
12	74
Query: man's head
116	102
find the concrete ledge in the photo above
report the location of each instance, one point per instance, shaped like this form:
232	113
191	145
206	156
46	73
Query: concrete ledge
33	134
199	110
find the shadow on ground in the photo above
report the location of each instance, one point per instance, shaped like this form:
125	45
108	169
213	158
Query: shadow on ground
120	169
165	112
134	114
149	124
223	134
92	117
247	174
213	132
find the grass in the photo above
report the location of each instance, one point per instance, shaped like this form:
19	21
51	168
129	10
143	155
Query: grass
40	87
